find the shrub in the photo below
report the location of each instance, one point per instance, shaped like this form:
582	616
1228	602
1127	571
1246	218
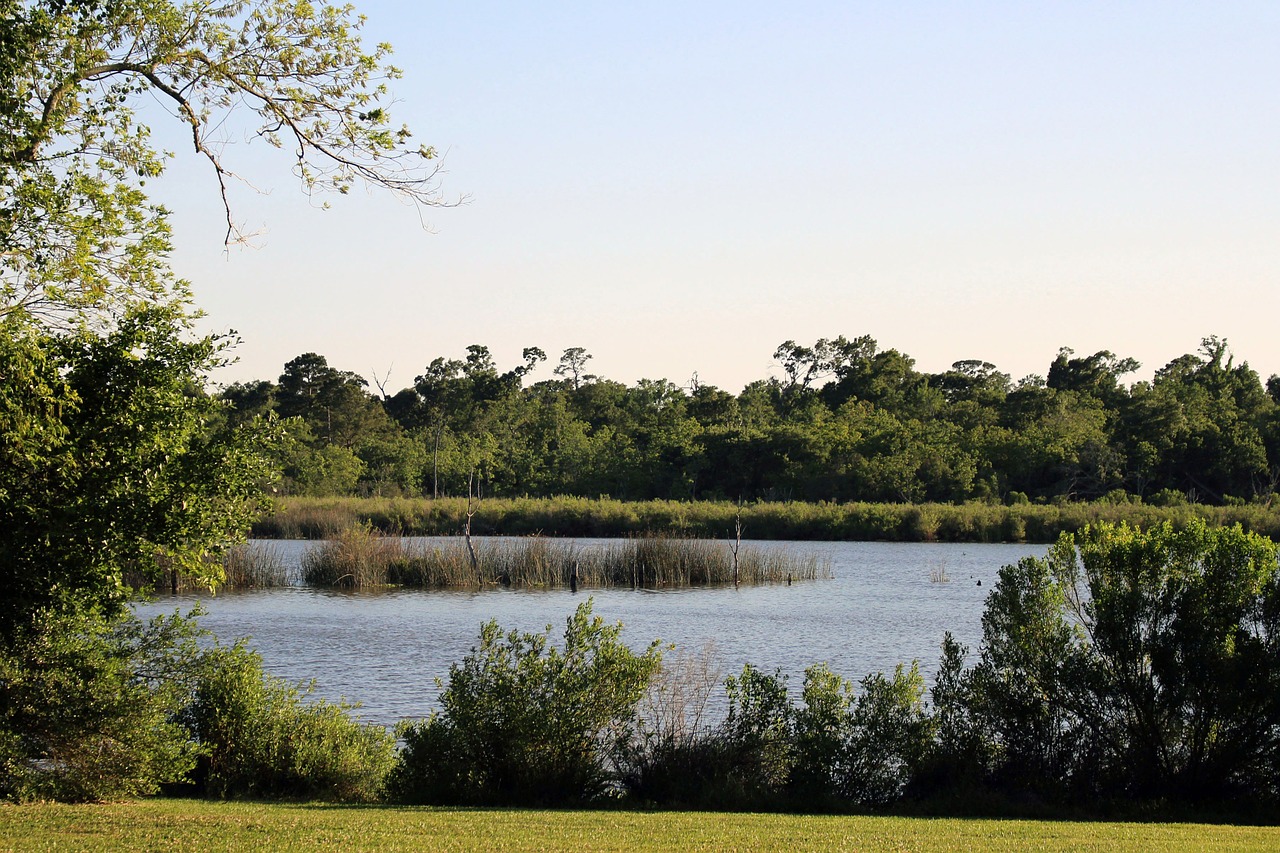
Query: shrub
1134	665
522	722
861	749
744	762
87	706
260	739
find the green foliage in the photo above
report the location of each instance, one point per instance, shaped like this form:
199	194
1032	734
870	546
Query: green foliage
80	238
88	706
111	462
316	518
759	731
861	749
744	762
522	721
1134	665
261	739
314	468
878	430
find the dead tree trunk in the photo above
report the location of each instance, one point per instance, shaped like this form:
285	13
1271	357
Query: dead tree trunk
737	542
471	548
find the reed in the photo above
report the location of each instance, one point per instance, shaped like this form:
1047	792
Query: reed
358	558
259	566
603	517
244	566
365	558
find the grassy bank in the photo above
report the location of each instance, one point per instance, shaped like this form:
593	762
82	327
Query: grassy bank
318	518
213	826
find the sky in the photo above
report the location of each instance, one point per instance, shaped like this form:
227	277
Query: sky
680	187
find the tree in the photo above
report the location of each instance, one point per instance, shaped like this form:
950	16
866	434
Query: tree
110	463
113	458
78	235
89	707
1097	375
1137	664
573	363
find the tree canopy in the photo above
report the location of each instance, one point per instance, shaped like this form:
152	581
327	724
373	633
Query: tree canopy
78	234
843	420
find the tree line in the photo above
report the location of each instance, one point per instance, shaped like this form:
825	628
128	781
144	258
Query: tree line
843	420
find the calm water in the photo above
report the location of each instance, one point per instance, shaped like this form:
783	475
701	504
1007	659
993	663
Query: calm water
386	649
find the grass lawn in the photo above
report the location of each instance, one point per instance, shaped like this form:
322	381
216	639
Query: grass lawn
195	825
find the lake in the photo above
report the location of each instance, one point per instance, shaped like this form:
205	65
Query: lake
881	606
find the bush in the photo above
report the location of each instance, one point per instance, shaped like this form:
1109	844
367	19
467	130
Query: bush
87	707
524	723
1133	666
861	749
260	739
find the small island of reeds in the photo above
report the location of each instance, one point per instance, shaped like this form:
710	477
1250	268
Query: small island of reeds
361	558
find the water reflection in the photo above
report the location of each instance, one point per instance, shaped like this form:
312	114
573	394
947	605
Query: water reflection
387	649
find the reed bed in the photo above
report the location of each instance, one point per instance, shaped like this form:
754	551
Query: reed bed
254	567
320	518
363	558
357	558
244	566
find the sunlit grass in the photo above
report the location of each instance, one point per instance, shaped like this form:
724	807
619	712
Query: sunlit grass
210	826
318	518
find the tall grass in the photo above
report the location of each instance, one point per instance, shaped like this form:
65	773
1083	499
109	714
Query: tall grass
245	566
254	566
320	518
362	558
357	558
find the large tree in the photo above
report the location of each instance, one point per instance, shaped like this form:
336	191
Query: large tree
78	234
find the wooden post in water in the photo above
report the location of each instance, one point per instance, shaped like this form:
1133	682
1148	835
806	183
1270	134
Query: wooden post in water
471	549
737	542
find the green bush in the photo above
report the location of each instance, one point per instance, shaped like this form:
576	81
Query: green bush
87	706
523	722
260	739
861	749
1132	666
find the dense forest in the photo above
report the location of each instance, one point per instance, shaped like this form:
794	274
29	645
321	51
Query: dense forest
843	420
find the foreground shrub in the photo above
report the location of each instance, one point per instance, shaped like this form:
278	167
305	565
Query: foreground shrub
87	707
524	723
1129	666
742	762
261	739
862	749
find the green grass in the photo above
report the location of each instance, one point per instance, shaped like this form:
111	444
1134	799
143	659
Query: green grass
203	826
318	518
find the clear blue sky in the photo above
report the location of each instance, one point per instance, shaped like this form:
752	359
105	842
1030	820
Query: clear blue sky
680	187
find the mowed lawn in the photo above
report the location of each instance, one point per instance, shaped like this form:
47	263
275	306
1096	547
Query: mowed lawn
195	825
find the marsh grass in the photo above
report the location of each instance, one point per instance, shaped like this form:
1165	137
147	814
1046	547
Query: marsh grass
363	558
320	518
357	558
245	566
258	566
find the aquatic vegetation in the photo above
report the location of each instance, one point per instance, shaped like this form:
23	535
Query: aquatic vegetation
363	558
